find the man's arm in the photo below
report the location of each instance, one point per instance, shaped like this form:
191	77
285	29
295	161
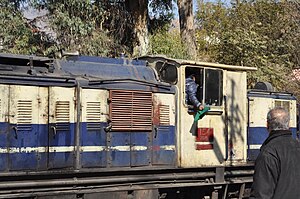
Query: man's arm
191	92
265	176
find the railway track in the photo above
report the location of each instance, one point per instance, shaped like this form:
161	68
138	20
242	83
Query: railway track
94	184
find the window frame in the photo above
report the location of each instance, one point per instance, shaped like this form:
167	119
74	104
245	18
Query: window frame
203	79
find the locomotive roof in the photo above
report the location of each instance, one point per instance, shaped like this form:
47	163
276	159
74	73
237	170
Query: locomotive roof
90	71
180	62
76	66
270	94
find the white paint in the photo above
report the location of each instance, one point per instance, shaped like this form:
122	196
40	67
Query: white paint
254	146
120	148
92	148
139	148
63	149
95	95
168	100
168	147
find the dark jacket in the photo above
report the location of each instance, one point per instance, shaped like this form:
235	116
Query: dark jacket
277	168
191	92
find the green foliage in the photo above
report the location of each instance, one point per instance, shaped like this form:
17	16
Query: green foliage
16	33
161	15
169	44
211	21
251	33
78	26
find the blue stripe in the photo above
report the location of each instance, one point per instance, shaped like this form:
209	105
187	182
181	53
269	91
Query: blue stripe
62	138
3	144
140	158
39	135
93	138
294	132
257	135
165	136
33	138
119	158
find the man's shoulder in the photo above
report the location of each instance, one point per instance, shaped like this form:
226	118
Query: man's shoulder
278	145
189	80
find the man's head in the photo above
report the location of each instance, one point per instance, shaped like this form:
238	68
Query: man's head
192	76
278	119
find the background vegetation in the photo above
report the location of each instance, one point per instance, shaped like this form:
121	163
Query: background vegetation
259	33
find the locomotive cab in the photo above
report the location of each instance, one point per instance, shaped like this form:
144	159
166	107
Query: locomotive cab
221	134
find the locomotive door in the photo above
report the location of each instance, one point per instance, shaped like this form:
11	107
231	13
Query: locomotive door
61	127
93	136
163	137
27	135
206	144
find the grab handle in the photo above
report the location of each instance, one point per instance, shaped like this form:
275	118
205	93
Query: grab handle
54	130
15	131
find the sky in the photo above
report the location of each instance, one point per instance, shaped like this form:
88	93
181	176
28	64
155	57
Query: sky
195	5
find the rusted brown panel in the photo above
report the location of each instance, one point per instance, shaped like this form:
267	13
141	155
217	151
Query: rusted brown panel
156	112
164	116
130	110
161	113
204	146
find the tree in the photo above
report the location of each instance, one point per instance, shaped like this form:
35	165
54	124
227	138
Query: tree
121	26
79	26
139	12
168	43
186	21
17	34
255	33
211	21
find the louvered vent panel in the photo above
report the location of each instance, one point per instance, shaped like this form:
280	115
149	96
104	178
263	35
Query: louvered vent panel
62	115
24	115
93	115
131	110
164	117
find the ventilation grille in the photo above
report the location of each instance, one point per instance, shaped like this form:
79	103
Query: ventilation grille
62	115
131	110
93	115
24	115
164	116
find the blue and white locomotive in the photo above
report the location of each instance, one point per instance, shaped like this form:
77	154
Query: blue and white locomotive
90	114
260	100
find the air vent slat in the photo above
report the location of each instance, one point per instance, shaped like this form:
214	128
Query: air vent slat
164	116
24	115
93	116
131	110
62	115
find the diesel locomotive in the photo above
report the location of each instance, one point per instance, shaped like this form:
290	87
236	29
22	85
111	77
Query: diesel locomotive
92	127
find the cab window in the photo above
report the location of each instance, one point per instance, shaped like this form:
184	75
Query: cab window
213	87
210	85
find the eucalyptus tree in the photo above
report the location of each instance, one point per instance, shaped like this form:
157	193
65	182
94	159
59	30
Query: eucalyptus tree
187	31
254	33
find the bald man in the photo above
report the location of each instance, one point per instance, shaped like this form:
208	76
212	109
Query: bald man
277	168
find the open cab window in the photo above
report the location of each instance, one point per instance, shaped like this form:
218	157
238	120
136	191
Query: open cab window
210	85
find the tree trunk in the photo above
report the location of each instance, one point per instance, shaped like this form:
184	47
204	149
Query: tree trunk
186	21
139	11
